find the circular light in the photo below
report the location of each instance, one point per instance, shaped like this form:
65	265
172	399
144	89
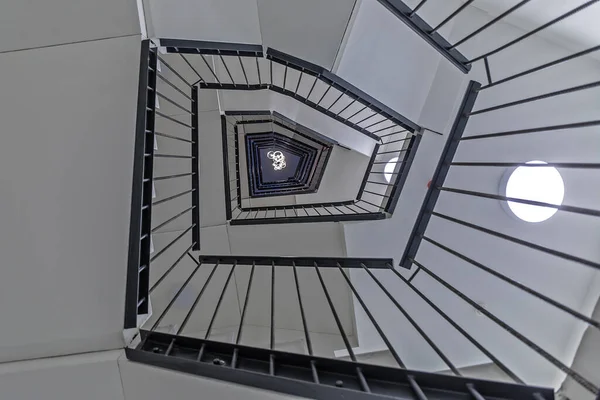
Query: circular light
542	184
389	169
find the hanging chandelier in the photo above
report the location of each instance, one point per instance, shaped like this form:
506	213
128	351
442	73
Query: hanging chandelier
278	159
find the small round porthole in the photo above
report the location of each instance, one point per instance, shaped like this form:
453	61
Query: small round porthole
536	183
389	168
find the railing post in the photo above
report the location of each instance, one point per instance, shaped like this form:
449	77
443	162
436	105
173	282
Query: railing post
195	171
141	199
439	176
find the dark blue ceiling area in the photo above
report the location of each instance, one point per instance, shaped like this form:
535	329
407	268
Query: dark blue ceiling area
268	172
295	178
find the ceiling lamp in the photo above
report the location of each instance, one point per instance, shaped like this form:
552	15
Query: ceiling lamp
278	159
389	168
536	183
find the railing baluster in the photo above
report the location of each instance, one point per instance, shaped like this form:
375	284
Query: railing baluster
412	322
534	31
168	271
302	315
214	316
470	338
238	336
550	358
338	322
171	243
272	320
176	296
372	319
193	307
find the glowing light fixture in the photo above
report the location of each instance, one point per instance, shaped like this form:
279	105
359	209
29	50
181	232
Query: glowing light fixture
278	159
388	170
535	183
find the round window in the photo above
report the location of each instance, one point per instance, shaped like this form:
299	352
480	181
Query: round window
389	168
536	183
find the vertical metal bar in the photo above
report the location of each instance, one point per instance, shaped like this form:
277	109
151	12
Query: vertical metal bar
487	70
474	393
285	76
210	68
492	22
372	319
354	211
356	113
362	380
324	94
531	245
234	358
454	14
258	70
302	315
195	170
366	118
368	171
416	388
237	170
193	307
414	10
534	31
451	321
336	100
239	332
298	84
516	284
243	70
439	176
311	88
193	69
315	374
406	163
364	209
412	322
345	108
163	276
335	315
592	388
543	66
166	310
227	69
272	321
227	178
214	316
148	175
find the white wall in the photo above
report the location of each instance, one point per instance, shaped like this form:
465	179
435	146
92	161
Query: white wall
384	58
41	23
68	117
221	21
289	25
